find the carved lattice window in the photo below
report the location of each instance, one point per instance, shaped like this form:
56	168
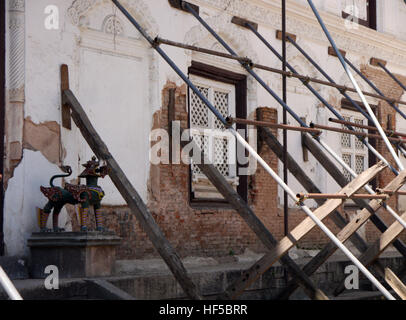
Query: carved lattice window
210	134
354	153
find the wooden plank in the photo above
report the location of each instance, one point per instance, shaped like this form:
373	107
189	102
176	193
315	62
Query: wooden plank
243	22
299	174
131	196
395	283
284	245
332	52
179	4
279	35
171	118
374	62
297	171
385	240
338	176
360	219
248	215
65	110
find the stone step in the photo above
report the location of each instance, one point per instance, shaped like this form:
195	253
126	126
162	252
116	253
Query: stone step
362	295
15	267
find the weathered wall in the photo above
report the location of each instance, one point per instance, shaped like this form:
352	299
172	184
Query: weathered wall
205	231
119	80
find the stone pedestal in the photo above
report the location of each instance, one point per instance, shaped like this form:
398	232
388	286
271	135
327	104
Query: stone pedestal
76	254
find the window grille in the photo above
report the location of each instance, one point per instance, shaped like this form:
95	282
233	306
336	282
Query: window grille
354	153
211	135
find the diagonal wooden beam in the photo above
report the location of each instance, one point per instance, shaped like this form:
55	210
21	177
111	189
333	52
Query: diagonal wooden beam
159	241
361	218
338	176
299	174
131	196
377	248
397	285
383	242
284	245
248	215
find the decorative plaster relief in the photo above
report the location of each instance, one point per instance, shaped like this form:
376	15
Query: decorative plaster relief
297	22
113	25
16	50
80	8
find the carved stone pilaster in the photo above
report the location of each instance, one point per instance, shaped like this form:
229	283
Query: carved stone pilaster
16	72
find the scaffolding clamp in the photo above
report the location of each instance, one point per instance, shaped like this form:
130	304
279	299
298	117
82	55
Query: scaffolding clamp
306	80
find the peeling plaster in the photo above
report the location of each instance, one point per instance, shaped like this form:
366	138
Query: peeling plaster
44	137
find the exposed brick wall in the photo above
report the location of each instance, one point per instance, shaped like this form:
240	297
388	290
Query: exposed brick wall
221	231
265	190
193	231
392	90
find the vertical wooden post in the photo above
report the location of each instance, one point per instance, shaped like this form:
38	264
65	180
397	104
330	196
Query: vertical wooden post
131	196
65	109
2	114
171	117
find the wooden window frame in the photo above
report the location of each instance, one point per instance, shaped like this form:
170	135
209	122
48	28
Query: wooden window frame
371	15
346	104
240	83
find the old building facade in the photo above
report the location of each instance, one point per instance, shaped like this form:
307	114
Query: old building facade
127	89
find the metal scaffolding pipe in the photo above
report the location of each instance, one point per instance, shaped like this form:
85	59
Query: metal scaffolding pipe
355	133
9	286
389	132
279	180
352	172
400	193
373	86
324	145
322	100
354	82
343	92
304	196
288	74
392	76
376	89
242	140
285	121
231	120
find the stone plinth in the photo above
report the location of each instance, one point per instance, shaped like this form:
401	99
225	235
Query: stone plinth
76	254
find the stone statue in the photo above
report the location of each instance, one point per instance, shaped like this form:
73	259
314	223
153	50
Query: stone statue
85	195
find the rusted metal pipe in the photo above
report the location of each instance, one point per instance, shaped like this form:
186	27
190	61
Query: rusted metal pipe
304	196
389	192
390	132
288	74
158	40
231	120
355	133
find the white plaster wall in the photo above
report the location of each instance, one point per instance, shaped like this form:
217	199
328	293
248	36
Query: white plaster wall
112	84
117	105
119	82
22	198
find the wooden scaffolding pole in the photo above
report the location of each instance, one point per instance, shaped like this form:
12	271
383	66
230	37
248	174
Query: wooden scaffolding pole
130	195
376	249
274	144
299	232
349	230
339	177
248	215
